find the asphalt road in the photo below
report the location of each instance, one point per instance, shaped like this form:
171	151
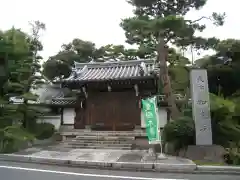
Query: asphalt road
24	171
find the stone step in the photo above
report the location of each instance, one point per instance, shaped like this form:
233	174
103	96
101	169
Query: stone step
103	133
109	132
105	137
101	145
97	147
98	141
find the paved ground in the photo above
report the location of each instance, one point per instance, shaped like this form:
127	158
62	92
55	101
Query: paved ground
24	171
106	155
102	158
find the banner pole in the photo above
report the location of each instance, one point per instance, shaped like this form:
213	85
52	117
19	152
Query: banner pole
161	155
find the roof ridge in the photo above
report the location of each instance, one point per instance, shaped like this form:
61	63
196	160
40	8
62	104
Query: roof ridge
106	64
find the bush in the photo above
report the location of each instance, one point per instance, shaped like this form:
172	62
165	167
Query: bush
13	138
10	145
225	126
225	123
233	154
180	133
44	130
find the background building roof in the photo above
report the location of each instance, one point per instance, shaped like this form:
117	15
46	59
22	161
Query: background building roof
49	94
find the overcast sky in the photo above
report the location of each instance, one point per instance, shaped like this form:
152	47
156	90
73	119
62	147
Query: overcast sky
97	20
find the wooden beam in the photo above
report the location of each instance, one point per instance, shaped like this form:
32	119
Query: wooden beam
85	92
136	89
109	88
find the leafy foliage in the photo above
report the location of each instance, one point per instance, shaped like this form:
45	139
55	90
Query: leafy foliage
157	23
59	65
179	78
223	68
43	130
12	137
19	54
166	18
56	69
233	153
225	125
180	133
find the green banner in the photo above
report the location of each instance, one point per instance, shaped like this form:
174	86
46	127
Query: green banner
151	119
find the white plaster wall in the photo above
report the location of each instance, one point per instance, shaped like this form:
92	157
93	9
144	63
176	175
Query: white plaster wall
55	120
162	117
68	116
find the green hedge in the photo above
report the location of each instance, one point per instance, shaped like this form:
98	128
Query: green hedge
233	153
225	128
180	133
44	130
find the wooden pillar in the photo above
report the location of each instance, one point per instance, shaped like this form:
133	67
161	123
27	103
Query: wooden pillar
80	117
138	106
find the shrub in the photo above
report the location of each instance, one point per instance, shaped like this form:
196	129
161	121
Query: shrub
10	145
44	130
13	138
233	154
225	125
180	132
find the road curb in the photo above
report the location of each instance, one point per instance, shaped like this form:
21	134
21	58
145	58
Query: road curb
133	166
219	169
154	167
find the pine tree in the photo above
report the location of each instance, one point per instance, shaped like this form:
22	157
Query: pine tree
159	22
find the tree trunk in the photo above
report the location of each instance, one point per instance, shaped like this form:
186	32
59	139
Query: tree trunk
167	89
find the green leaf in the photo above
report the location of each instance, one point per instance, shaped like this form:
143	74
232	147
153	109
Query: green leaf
15	132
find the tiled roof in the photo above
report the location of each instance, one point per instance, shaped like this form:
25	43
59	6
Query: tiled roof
47	94
72	101
64	101
54	101
111	70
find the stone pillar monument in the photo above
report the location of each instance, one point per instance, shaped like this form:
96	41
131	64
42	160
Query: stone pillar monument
204	150
201	106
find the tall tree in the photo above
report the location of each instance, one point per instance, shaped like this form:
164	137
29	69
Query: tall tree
80	51
59	66
25	69
15	52
159	22
223	68
56	69
85	51
35	46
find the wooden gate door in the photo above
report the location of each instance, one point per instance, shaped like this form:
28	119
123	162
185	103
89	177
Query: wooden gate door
101	112
114	111
126	112
79	120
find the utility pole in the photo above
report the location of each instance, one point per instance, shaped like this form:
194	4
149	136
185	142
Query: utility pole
161	63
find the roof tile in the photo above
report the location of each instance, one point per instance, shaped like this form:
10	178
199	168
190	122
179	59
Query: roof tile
110	70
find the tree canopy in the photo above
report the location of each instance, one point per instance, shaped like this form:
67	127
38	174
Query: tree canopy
20	59
223	68
166	18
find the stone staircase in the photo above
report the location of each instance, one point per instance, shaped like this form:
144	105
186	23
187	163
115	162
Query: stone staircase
101	140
